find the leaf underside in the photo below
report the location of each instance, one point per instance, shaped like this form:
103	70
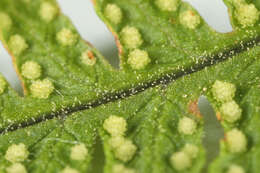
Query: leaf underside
185	63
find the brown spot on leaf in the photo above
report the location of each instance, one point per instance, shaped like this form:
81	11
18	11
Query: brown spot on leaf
91	55
219	116
194	109
94	2
192	13
118	44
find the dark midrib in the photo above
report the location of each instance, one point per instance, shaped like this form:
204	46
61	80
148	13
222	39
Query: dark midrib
164	80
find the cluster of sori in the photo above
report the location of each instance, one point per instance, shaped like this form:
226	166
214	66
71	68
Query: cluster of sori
16	154
182	159
130	37
230	112
123	148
